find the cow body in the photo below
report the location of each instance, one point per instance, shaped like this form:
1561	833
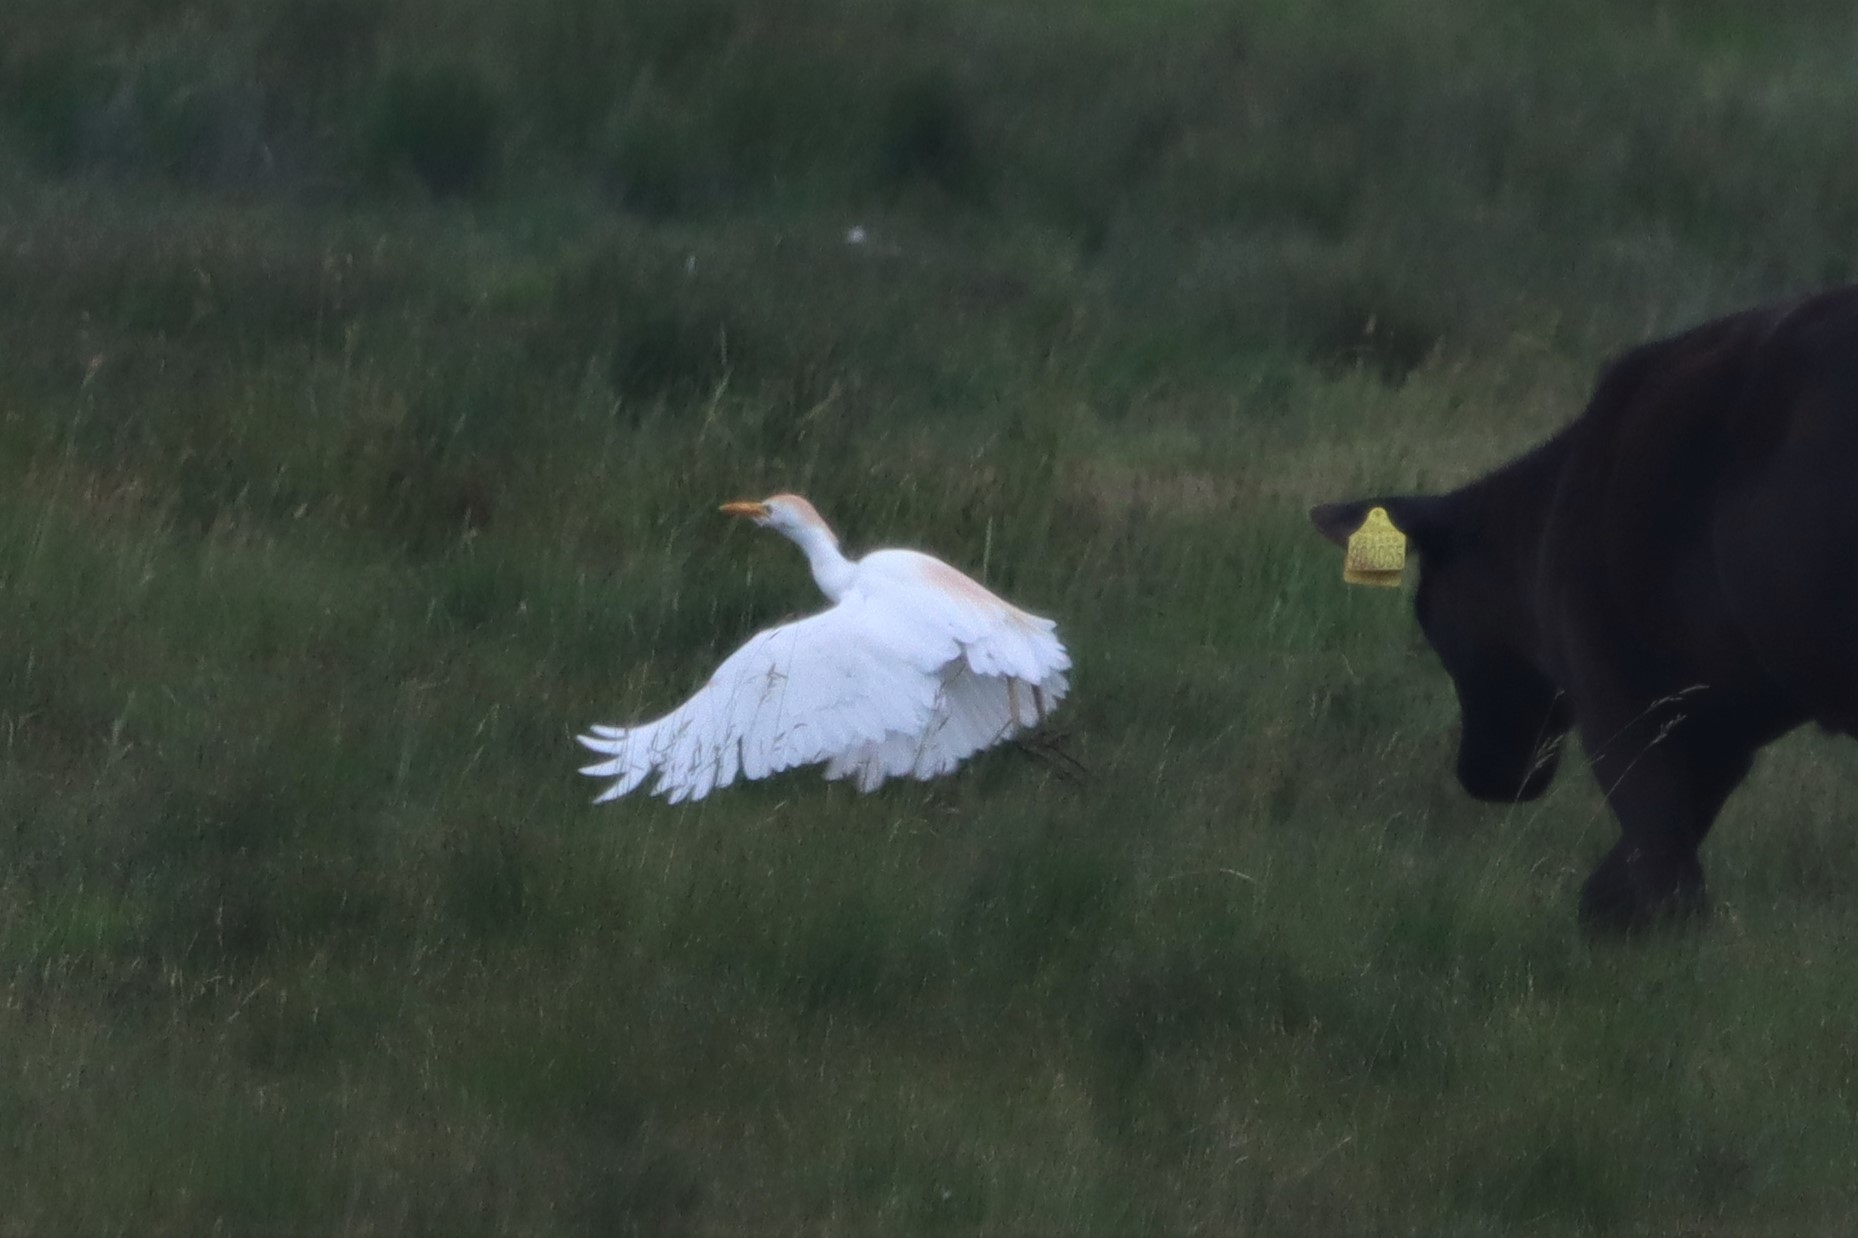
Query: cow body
1674	575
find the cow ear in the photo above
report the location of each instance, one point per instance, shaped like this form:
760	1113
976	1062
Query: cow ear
1336	521
1420	517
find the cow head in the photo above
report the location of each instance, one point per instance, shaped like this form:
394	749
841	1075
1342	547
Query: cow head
1474	607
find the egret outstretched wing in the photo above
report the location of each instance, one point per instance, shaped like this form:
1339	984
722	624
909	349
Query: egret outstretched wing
972	712
797	694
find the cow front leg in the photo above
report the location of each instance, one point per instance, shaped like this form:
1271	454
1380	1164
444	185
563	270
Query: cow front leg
1638	885
1666	786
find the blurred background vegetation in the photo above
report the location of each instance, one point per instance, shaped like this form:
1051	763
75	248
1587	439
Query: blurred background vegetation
370	372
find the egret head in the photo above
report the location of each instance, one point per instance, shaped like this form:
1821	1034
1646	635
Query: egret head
788	514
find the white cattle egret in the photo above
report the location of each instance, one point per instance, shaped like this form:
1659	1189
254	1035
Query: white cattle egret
913	669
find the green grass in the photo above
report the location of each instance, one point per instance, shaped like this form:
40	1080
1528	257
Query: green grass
371	376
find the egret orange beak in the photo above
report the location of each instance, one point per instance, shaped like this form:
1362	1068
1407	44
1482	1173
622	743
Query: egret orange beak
754	511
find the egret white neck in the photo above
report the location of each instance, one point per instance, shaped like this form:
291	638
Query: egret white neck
832	571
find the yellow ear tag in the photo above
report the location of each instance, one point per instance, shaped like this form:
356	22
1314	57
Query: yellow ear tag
1376	552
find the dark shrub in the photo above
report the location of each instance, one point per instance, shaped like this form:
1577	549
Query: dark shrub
47	95
660	164
440	122
928	135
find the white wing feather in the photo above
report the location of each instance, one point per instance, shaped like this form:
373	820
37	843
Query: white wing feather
913	671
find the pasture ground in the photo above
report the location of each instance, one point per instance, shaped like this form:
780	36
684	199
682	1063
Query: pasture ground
369	376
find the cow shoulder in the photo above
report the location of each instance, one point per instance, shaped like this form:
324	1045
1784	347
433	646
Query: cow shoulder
1647	459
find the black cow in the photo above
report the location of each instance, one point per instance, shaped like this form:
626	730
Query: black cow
1675	573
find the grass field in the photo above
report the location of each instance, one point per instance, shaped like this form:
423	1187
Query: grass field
369	377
